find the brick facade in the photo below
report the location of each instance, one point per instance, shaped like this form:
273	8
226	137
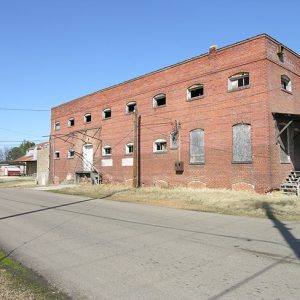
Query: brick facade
215	112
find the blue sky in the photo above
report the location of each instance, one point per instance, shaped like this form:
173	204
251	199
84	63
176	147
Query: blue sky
54	51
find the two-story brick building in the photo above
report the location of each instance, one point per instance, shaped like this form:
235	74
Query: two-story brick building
231	117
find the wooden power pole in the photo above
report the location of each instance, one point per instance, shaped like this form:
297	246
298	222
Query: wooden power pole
135	149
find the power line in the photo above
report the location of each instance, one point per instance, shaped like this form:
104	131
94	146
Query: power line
21	141
24	109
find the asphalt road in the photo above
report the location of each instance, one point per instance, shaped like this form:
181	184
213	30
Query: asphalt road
100	249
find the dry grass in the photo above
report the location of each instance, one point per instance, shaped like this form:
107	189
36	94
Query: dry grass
284	207
16	182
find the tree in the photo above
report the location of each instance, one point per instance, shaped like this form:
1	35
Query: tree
14	153
25	145
4	152
19	151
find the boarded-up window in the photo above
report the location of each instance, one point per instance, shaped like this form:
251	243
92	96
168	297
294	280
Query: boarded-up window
241	143
283	140
197	146
174	140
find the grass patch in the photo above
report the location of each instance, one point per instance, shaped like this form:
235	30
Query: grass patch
17	182
18	282
284	207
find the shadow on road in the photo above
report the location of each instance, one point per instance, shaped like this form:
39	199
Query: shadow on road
284	231
293	243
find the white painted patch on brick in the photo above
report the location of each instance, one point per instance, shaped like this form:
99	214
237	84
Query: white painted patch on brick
106	162
127	162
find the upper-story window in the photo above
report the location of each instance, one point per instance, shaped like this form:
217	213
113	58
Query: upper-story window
241	143
286	83
195	91
160	146
238	81
56	155
106	151
106	113
56	125
71	122
71	153
87	118
130	107
129	149
159	100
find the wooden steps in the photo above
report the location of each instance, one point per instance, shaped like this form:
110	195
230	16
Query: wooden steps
291	185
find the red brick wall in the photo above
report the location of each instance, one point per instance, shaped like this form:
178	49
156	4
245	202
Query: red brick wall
216	113
282	102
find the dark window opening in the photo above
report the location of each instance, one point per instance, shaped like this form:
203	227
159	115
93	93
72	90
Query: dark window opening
195	91
71	154
71	122
88	118
130	107
159	100
107	114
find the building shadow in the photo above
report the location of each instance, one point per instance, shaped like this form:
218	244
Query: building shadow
293	242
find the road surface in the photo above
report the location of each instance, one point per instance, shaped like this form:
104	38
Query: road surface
101	249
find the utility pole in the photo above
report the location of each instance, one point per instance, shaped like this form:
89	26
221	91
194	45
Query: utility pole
135	149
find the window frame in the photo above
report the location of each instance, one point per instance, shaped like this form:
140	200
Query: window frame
104	150
56	155
158	97
56	125
131	103
235	78
69	122
286	80
69	152
127	152
232	146
104	111
202	162
160	142
193	88
85	116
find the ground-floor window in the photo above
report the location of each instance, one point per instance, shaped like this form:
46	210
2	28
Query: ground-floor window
241	143
197	146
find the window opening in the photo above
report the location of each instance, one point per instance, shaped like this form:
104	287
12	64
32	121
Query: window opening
56	155
160	146
238	81
106	151
87	118
159	100
57	125
195	91
130	107
71	122
106	114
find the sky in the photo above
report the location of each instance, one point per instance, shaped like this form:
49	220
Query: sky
53	51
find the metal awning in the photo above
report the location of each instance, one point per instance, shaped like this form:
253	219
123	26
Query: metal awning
293	117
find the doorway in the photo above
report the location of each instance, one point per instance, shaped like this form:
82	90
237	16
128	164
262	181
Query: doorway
88	156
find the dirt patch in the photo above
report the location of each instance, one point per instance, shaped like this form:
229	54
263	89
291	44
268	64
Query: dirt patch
284	207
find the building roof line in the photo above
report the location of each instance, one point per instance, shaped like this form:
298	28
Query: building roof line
178	64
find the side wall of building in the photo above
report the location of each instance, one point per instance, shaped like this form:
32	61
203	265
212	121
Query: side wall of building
216	112
281	101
